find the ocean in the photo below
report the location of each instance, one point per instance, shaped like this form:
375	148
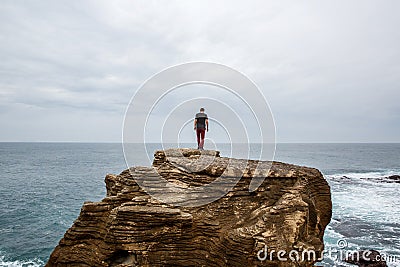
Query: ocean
43	186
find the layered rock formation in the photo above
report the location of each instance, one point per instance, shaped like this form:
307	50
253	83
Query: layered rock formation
289	211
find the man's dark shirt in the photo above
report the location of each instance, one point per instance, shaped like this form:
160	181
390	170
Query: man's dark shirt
201	120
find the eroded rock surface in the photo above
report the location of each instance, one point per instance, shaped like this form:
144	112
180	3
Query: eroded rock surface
289	211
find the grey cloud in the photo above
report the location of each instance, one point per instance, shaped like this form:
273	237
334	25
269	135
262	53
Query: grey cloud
329	69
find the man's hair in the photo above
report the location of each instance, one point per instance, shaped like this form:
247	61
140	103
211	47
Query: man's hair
202	109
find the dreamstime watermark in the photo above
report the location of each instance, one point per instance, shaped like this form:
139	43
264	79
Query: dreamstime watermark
283	255
339	253
165	104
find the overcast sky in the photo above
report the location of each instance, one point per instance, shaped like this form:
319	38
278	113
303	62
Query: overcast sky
330	70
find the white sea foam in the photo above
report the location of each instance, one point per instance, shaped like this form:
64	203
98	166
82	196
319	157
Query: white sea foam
20	263
364	197
364	175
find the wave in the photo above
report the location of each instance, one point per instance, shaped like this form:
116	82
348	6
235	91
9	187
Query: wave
20	263
374	175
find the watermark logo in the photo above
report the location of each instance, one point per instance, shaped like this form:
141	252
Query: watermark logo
341	243
266	254
163	108
340	253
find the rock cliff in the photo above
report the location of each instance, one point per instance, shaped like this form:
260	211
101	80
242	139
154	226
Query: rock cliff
289	212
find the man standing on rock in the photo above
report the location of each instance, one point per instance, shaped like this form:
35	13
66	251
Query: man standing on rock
200	126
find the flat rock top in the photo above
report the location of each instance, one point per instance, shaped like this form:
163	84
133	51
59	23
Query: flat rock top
210	162
187	152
